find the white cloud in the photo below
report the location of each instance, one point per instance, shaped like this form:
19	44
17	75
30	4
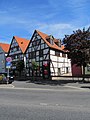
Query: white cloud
76	4
57	30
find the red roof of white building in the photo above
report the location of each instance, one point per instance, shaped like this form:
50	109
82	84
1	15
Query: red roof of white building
5	47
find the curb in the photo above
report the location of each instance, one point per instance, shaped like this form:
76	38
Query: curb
74	87
6	86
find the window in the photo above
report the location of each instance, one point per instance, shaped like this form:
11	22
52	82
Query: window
37	58
19	48
38	37
34	43
63	55
59	71
37	42
26	55
42	41
45	51
41	53
42	46
45	45
37	53
51	41
57	53
14	49
29	55
33	54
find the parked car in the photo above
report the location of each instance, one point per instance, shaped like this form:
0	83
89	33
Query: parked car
4	79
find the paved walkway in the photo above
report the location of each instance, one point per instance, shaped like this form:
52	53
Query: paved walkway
6	86
51	85
80	85
46	85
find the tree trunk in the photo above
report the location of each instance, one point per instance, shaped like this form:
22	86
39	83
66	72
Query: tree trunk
83	74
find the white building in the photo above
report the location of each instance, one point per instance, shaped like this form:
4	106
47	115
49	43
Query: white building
50	56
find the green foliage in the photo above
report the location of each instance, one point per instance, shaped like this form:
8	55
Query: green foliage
34	65
78	46
20	65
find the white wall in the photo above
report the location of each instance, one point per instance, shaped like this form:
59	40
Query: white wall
60	63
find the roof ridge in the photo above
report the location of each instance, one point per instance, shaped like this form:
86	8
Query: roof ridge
20	37
5	47
4	43
42	32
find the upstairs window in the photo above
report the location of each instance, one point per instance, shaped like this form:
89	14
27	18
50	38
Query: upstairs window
41	53
63	55
50	39
58	42
57	53
33	54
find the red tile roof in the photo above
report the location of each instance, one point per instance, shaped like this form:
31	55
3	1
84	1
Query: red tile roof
5	47
23	43
54	46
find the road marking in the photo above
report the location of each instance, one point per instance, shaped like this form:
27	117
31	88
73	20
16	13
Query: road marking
57	104
74	87
45	104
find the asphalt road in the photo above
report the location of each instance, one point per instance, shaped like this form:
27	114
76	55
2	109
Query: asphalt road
28	104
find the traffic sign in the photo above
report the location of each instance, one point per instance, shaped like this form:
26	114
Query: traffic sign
8	64
8	59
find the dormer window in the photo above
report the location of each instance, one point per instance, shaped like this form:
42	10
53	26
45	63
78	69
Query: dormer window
50	39
21	42
58	42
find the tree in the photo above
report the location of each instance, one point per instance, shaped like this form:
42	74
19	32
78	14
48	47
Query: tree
78	47
20	66
35	67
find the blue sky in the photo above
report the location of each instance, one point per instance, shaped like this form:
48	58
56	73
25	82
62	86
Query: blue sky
56	17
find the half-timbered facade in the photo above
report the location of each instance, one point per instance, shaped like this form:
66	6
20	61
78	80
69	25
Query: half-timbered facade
49	55
17	49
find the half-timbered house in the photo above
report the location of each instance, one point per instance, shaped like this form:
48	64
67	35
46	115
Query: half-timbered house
17	51
49	55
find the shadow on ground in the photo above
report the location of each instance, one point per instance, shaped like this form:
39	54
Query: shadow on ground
51	82
85	87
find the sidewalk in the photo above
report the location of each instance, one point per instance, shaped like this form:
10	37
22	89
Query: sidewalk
80	85
50	85
47	85
6	86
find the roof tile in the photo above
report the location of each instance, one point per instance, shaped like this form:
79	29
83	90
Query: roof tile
23	43
5	47
54	46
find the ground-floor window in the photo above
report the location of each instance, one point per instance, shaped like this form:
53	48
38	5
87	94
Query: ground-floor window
67	70
59	71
